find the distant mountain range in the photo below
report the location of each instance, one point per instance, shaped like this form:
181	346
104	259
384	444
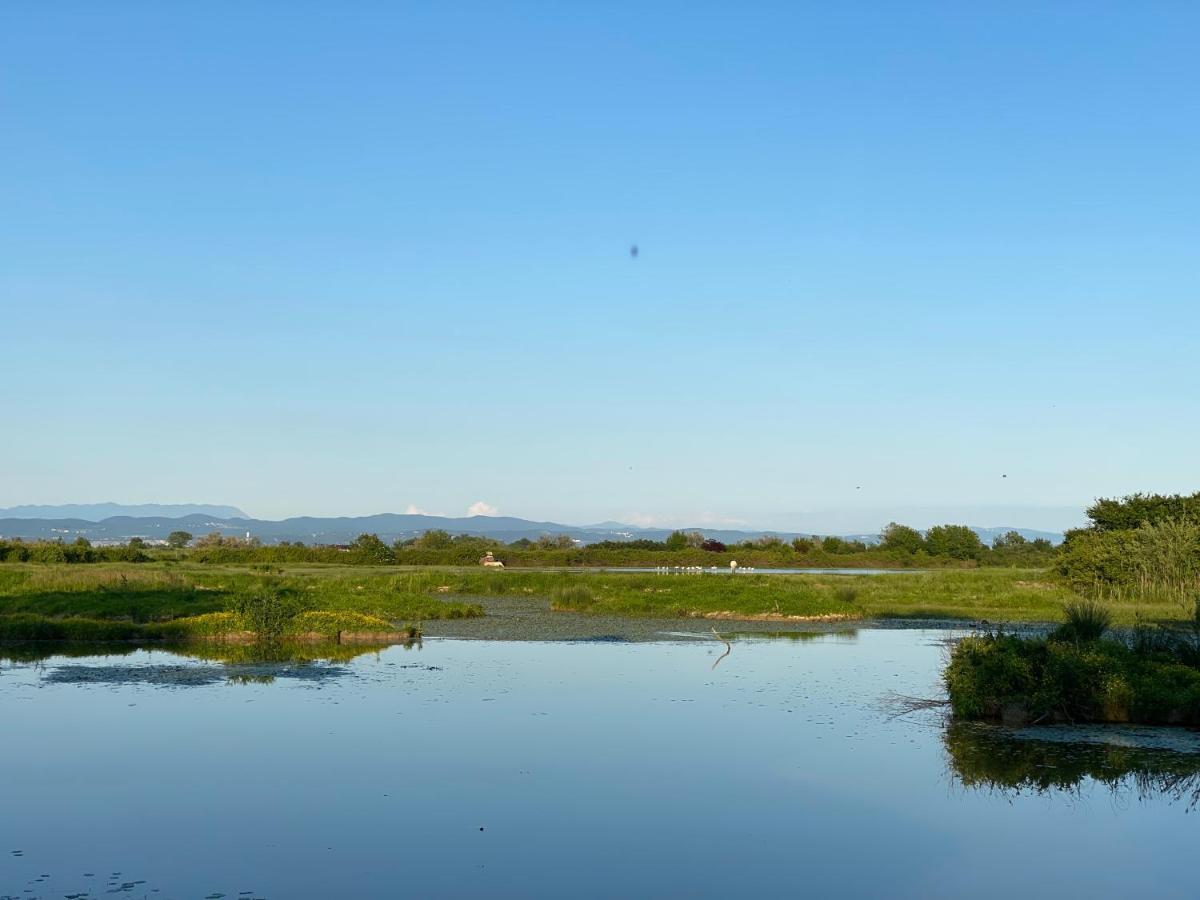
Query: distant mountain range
343	529
98	512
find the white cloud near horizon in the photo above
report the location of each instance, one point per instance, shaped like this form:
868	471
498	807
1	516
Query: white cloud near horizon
647	520
479	508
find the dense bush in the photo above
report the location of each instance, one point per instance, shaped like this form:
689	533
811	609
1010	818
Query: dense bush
1127	513
1035	679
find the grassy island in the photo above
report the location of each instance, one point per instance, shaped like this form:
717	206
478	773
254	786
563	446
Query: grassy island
161	603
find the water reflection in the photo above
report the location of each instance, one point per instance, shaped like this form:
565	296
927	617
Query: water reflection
841	635
990	758
185	666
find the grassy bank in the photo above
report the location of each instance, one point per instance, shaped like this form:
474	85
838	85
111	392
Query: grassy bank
158	594
993	594
165	603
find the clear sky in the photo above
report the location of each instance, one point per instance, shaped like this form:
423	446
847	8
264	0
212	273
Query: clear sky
316	258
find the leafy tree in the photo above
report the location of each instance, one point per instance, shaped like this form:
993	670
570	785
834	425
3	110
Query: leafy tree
178	539
136	542
803	545
713	546
1127	513
370	548
1010	540
555	542
677	541
435	539
954	541
902	538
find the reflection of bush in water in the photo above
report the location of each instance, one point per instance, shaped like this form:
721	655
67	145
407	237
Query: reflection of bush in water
252	653
984	757
280	652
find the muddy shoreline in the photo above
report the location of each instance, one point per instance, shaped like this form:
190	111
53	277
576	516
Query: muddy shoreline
530	619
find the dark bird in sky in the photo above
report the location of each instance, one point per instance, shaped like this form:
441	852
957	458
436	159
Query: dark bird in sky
633	251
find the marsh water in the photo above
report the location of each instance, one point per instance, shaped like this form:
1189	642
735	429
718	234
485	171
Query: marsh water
584	769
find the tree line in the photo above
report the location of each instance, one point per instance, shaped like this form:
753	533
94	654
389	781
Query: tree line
900	546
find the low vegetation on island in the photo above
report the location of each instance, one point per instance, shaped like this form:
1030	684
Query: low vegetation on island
1140	555
164	603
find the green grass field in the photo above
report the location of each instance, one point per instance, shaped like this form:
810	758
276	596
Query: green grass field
123	601
159	593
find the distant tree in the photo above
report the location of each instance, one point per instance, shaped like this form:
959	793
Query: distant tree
136	542
677	541
954	541
713	546
1041	545
803	545
435	539
555	542
1010	540
902	538
371	549
178	539
768	542
833	544
521	543
695	540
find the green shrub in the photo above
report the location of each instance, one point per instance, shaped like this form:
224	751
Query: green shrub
994	676
1087	620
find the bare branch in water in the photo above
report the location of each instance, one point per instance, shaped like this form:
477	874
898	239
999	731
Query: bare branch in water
897	705
728	649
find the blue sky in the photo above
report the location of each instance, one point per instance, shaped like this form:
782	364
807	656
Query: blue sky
342	259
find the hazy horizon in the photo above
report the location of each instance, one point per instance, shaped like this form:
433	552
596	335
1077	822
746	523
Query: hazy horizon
843	521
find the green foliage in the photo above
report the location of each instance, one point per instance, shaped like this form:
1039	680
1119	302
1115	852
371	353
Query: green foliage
435	539
1156	561
954	541
1133	511
371	550
1033	679
267	613
678	540
1087	620
846	594
178	539
555	542
902	539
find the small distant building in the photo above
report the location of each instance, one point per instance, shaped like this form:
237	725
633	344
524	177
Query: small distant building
490	561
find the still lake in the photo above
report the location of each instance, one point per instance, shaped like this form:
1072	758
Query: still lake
581	769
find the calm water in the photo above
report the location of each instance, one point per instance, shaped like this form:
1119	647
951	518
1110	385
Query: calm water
474	768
